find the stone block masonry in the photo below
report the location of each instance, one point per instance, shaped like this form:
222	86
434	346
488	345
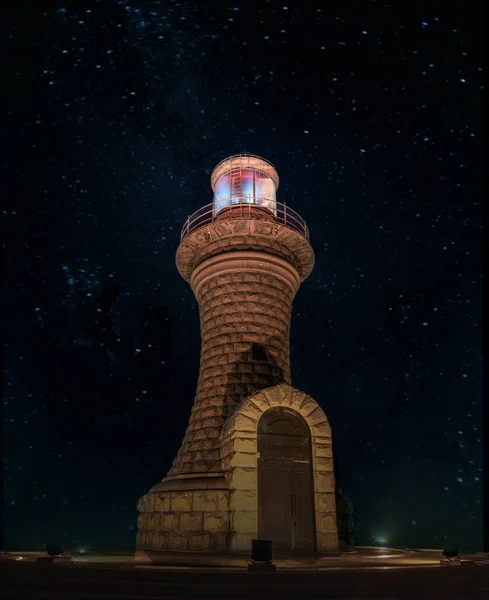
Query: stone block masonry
229	371
184	521
226	520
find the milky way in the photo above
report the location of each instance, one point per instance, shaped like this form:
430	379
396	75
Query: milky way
118	112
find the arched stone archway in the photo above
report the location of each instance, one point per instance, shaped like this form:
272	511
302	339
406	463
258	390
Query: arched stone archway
285	495
239	455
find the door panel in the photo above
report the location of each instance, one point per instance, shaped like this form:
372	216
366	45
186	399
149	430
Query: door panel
304	533
275	521
285	496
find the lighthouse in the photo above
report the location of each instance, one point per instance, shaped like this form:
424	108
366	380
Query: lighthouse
256	460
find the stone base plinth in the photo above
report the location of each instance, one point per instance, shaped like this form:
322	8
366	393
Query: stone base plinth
176	515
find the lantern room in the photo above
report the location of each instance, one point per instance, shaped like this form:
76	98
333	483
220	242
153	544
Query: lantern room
244	179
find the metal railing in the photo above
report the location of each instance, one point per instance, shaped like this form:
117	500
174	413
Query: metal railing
238	209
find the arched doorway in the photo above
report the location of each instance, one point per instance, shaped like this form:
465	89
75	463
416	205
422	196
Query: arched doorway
285	498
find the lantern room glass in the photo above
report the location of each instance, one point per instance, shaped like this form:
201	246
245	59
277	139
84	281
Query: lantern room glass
245	186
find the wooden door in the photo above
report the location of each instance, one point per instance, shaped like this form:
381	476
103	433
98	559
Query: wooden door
303	508
285	499
274	479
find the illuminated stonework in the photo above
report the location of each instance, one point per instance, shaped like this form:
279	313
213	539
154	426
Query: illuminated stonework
256	459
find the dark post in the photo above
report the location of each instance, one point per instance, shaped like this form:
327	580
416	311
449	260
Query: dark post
261	556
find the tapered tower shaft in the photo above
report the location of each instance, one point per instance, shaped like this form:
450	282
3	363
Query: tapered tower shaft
244	256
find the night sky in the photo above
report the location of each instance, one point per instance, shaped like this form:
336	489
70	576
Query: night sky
117	113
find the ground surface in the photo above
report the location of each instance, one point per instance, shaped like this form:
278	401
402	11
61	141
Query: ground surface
350	576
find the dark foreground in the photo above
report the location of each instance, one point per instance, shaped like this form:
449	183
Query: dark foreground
69	581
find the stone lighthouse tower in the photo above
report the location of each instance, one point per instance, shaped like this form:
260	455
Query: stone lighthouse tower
256	460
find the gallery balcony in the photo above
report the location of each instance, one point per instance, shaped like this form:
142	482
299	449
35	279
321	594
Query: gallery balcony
242	208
